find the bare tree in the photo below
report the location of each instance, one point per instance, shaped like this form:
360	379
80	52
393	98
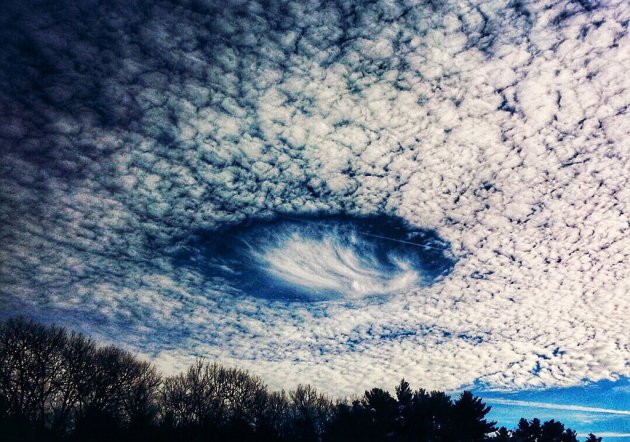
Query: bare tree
192	398
72	379
211	395
274	415
59	385
118	386
311	412
31	363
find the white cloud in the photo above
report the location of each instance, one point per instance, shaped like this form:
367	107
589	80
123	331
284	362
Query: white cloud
530	404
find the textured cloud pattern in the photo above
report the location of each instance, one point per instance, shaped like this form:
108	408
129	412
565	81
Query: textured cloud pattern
319	258
501	125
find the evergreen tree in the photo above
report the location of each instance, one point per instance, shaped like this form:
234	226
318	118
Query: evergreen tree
59	386
528	431
383	412
469	423
503	435
405	420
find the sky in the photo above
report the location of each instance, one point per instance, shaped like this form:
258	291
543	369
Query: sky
600	407
334	192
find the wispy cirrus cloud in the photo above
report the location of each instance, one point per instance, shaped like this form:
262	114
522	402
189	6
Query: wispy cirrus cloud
319	258
565	407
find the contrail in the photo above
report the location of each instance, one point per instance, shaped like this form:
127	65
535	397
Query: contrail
424	246
558	406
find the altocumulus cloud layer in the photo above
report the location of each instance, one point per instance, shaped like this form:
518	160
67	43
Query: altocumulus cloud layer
500	125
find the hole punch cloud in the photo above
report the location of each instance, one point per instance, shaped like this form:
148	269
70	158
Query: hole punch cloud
322	258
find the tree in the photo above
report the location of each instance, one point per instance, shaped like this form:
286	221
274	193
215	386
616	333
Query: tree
193	399
118	393
73	379
420	423
502	435
310	412
439	406
59	386
30	359
405	422
404	394
550	431
350	422
553	431
209	398
383	412
528	431
273	419
469	423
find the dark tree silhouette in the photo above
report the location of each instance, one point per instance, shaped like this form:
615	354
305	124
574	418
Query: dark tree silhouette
550	431
383	414
310	413
59	381
31	356
404	395
502	435
528	431
60	386
406	418
274	417
118	392
439	407
468	419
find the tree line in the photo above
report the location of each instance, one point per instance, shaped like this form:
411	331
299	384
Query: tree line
58	385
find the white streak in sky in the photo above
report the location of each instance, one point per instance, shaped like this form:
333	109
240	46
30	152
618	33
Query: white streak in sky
552	406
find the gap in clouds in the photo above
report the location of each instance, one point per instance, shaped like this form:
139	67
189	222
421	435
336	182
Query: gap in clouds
319	258
594	407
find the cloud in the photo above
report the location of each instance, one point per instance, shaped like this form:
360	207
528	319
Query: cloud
560	407
319	258
500	125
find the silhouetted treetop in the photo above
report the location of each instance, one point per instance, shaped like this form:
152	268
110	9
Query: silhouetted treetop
57	385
